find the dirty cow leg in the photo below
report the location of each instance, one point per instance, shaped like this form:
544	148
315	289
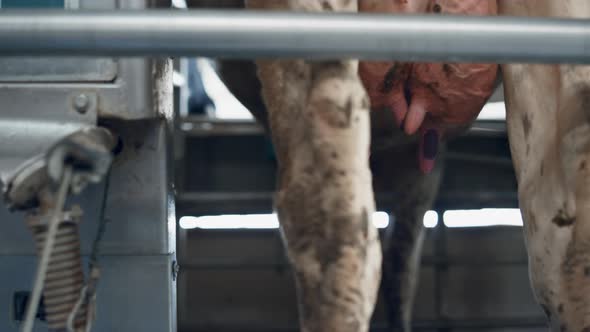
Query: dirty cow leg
549	130
413	194
319	121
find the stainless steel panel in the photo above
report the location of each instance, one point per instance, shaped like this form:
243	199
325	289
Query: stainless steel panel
32	119
140	202
35	115
144	90
137	93
69	69
140	207
135	293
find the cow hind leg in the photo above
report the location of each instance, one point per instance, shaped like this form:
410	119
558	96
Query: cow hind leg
554	192
549	129
413	194
548	123
318	115
403	246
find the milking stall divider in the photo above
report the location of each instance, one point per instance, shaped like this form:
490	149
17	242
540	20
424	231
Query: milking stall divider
81	102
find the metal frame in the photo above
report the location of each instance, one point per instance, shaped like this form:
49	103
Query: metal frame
319	36
46	98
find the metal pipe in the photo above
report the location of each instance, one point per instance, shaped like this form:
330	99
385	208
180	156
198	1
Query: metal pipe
248	34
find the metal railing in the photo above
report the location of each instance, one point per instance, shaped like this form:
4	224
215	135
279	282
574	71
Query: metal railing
250	34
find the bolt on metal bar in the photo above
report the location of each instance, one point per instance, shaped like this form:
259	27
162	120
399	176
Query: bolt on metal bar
251	34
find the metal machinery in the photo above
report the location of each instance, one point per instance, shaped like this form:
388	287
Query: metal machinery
83	116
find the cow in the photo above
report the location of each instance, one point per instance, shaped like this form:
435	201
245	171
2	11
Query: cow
319	120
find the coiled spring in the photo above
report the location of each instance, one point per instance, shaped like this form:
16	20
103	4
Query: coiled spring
64	277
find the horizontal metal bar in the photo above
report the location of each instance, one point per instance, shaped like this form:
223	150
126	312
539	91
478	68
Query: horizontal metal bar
251	265
248	34
201	203
499	323
197	126
202	126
